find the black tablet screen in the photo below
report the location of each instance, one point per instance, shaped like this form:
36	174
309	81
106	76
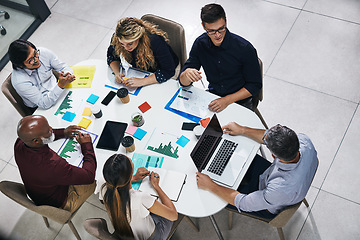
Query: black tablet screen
111	135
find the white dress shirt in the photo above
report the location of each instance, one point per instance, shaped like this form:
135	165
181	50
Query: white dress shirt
38	87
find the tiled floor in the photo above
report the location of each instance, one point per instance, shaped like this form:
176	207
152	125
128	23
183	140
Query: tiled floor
311	55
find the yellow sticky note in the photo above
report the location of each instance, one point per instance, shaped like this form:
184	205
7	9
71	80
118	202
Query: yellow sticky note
126	78
84	123
87	111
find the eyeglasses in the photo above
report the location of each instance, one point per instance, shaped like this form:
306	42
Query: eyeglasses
220	30
33	59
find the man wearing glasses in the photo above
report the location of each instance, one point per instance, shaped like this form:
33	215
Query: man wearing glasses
267	188
230	62
32	75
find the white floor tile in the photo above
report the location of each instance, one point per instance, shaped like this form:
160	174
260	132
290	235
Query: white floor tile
104	14
320	53
86	211
10	210
263	24
292	3
342	179
332	218
101	49
2	164
346	9
71	39
322	117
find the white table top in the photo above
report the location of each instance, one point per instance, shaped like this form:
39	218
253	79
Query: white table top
192	202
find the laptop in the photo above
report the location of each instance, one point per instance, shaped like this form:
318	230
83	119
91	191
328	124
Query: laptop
219	155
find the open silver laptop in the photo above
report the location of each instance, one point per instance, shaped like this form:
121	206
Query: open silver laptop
217	155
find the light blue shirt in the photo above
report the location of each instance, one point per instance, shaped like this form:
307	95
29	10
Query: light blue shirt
282	184
38	87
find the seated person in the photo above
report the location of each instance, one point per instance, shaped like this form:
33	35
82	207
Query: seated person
135	214
48	178
230	62
32	75
268	188
143	46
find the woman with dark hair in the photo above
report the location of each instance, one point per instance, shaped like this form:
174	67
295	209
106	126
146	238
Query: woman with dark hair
144	46
135	214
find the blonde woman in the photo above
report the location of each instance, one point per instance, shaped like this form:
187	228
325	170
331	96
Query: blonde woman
134	214
144	46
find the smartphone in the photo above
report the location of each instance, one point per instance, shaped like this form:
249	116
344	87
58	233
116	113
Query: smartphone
108	98
189	126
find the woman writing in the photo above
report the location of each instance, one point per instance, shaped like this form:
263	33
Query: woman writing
135	214
143	46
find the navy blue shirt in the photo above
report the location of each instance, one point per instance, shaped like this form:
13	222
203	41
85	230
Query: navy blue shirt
228	68
165	58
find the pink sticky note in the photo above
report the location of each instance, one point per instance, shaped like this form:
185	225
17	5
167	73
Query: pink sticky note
131	129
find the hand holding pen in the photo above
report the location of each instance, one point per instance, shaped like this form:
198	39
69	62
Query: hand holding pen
119	77
140	174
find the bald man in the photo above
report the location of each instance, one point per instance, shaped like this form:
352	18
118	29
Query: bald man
48	178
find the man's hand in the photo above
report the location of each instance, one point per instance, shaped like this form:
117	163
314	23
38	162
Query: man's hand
83	138
140	174
72	131
233	128
65	79
204	181
219	104
192	74
118	78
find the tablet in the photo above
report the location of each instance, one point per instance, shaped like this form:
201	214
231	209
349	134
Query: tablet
111	135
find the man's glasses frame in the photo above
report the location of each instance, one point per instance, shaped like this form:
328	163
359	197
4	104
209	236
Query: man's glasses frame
220	30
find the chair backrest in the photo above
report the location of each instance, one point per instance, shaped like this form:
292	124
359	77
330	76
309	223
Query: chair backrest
16	192
259	97
284	216
14	98
97	227
175	32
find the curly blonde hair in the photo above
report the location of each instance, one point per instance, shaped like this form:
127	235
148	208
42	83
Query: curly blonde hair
130	29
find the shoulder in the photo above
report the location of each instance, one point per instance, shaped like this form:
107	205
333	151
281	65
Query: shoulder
156	39
239	41
305	141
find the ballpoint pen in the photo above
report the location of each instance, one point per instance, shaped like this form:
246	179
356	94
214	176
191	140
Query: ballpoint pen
202	83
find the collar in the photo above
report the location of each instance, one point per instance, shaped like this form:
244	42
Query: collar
286	166
29	71
225	43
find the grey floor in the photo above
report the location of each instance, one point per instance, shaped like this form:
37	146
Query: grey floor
311	55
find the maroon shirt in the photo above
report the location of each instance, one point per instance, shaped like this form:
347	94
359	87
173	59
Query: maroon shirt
47	176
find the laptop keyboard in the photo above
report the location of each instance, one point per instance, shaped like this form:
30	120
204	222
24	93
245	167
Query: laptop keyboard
203	150
222	157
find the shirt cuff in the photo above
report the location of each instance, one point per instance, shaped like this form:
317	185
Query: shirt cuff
237	200
160	77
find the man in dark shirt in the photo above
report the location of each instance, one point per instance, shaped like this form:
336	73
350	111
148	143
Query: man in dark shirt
229	61
48	178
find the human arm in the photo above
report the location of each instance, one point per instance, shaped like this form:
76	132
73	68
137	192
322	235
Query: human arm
114	63
140	174
204	182
190	72
219	104
165	208
138	82
233	128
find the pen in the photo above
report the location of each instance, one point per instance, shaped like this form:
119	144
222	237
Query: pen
202	83
121	70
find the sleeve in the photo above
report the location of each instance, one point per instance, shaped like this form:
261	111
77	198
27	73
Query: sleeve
56	63
251	71
147	200
71	175
27	90
164	59
193	61
111	55
59	133
267	198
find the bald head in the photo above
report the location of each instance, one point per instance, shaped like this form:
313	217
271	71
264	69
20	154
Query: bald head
32	128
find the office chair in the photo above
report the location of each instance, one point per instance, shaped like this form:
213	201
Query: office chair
175	32
14	98
7	16
97	227
259	97
279	221
16	191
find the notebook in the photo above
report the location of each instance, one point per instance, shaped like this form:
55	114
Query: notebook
171	182
218	156
111	135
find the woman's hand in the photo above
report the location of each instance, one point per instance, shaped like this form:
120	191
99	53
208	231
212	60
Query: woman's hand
154	180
